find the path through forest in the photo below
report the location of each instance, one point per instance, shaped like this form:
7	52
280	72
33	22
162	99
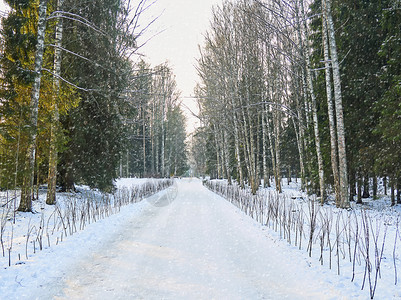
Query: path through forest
190	244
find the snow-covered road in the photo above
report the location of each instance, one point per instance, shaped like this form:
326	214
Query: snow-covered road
188	243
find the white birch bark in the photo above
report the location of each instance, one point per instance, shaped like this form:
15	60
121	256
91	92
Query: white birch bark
314	109
330	108
277	150
342	156
218	158
300	152
27	188
227	156
53	153
237	148
272	152
266	181
162	132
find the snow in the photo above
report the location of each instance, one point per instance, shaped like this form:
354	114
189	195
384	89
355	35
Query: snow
374	225
182	243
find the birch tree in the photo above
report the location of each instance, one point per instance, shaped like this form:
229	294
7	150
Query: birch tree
343	176
54	131
314	106
27	188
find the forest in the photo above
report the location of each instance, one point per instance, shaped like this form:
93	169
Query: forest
302	89
79	104
300	130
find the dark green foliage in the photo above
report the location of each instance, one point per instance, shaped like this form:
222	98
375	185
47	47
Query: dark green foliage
289	151
104	102
138	141
359	45
176	146
18	42
388	129
368	39
95	127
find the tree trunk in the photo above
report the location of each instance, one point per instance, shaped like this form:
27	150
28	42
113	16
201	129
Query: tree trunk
366	193
248	148
277	151
218	158
127	165
163	137
237	149
273	156
232	96
392	186
314	113
342	155
143	142
385	185
359	196
300	139
258	142
55	125
27	187
252	151
352	183
374	187
301	156
332	126
227	157
266	181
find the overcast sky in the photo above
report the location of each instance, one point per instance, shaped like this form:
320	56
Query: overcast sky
178	32
181	25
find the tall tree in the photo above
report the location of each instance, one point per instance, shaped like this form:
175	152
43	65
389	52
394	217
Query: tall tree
19	45
343	174
54	130
27	187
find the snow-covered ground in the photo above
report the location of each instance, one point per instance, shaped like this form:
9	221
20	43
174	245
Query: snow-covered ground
24	234
182	243
362	244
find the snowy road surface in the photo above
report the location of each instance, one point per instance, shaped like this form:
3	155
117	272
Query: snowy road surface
188	243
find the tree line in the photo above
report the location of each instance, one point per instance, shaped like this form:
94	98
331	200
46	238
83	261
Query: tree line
78	103
300	88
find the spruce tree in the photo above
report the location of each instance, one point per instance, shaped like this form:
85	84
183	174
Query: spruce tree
19	42
388	128
95	127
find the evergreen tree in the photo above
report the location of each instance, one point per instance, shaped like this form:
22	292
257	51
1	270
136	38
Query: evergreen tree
388	128
138	135
19	42
175	136
95	127
359	44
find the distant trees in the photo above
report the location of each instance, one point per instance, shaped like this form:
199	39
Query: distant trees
321	76
254	77
73	100
156	137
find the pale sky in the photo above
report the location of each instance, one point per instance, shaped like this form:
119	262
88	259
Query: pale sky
179	30
182	24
